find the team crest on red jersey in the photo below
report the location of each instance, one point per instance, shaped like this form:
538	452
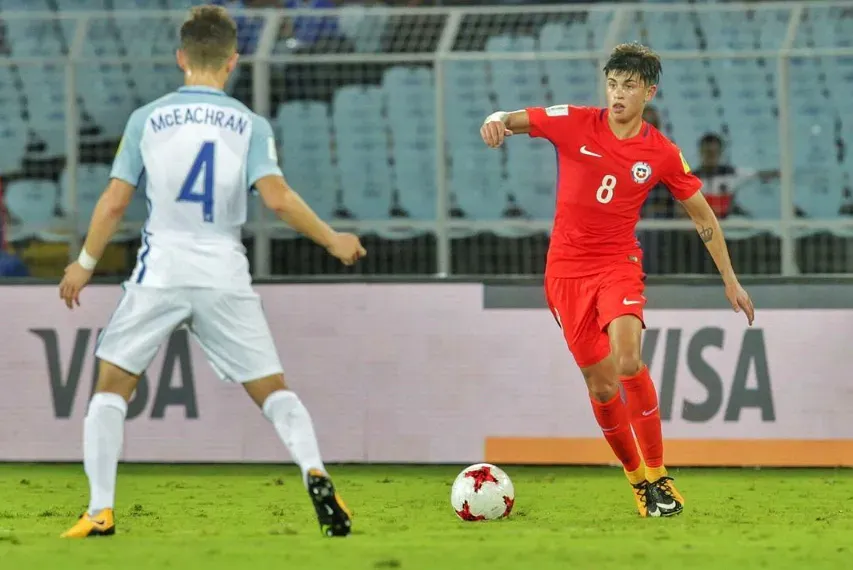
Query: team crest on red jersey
641	172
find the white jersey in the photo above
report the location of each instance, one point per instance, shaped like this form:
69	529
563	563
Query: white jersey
196	153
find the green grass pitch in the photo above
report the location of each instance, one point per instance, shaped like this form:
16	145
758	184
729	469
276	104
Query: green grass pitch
259	517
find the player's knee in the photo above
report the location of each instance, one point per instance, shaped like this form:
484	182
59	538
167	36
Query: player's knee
628	364
602	388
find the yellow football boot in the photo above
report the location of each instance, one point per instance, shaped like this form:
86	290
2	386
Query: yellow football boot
101	524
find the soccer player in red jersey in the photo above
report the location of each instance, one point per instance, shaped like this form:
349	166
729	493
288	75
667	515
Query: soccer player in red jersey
609	159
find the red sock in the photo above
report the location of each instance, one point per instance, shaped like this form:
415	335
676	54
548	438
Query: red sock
645	416
615	423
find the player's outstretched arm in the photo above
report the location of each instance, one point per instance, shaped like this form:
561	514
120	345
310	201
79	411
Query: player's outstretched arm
106	218
500	125
709	229
279	197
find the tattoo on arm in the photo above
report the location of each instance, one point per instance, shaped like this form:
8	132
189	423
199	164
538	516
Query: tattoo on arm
707	234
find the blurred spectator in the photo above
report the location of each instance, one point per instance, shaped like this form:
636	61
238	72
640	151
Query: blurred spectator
720	179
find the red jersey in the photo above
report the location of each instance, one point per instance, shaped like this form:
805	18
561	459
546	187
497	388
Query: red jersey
602	182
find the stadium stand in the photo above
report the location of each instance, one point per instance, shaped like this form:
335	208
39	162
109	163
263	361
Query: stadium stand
354	96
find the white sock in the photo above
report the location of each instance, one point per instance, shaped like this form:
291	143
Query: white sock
293	424
103	435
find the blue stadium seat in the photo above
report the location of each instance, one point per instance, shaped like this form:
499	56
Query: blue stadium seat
598	25
33	204
10	97
303	130
671	30
409	94
773	27
35	38
576	81
517	83
100	39
81	5
364	27
532	177
463	120
815	128
464	80
760	200
729	30
13	145
44	91
414	175
563	37
819	193
106	97
183	4
25	5
91	180
362	142
477	184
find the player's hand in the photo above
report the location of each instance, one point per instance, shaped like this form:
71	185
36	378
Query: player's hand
75	279
347	248
494	133
740	300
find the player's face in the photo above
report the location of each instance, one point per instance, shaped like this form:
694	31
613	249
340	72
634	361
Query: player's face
627	95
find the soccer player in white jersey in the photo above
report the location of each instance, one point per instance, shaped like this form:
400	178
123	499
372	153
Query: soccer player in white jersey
199	152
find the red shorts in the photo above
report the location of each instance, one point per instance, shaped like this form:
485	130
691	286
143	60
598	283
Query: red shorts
585	306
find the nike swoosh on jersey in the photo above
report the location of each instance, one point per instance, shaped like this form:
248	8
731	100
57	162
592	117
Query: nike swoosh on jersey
589	152
626	301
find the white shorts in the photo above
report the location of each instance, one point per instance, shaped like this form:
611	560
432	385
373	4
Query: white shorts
229	326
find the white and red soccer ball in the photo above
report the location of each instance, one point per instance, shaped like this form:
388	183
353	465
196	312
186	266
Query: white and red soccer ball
482	492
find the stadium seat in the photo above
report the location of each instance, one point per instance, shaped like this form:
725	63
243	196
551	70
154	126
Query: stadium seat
363	26
575	81
409	94
517	83
82	5
13	145
414	177
106	97
729	30
772	27
26	5
362	142
760	200
819	193
303	131
814	143
33	204
91	180
532	177
598	25
477	185
464	80
671	30
44	91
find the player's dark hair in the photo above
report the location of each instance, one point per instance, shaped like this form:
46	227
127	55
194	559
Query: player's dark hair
711	138
635	60
208	37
